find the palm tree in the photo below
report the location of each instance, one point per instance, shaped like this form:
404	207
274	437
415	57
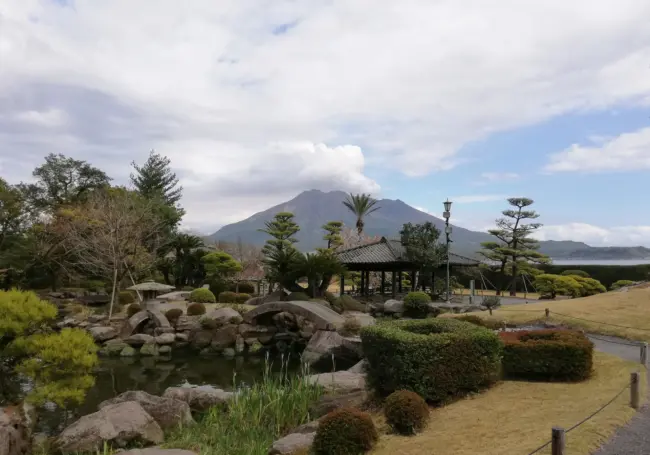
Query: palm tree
361	205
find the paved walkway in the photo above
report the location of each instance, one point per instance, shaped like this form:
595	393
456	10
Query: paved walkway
633	438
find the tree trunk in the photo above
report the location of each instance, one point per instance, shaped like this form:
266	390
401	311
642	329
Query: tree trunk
110	309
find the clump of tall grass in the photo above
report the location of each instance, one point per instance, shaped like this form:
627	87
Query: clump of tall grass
255	418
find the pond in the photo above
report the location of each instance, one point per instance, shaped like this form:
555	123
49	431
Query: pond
153	375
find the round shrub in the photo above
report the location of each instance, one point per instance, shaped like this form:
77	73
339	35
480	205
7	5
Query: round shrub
132	309
620	284
406	412
227	297
242	297
202	295
173	315
416	304
347	303
438	359
196	309
295	296
345	431
125	297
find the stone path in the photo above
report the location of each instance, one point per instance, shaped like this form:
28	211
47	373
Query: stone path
633	438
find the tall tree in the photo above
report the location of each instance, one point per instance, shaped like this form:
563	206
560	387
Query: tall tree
333	234
515	249
279	251
156	179
220	265
361	205
422	245
61	181
12	214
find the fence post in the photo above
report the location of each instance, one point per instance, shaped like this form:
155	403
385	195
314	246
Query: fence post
558	441
634	390
503	326
547	311
644	354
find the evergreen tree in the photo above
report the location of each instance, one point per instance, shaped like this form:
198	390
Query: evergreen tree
422	245
280	254
333	234
156	179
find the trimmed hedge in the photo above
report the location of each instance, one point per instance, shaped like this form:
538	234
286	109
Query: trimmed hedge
244	288
621	283
202	295
549	355
345	431
196	309
439	359
173	315
416	304
242	297
406	412
227	297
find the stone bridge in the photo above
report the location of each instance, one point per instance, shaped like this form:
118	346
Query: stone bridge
322	317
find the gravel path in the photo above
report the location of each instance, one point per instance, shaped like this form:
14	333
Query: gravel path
633	438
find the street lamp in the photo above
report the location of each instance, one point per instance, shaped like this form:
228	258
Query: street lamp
446	215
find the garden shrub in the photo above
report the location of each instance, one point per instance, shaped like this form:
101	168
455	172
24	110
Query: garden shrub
242	297
125	297
329	296
416	304
351	326
196	309
173	315
477	320
406	412
549	285
491	302
621	283
549	355
439	359
227	297
243	288
23	311
202	295
295	296
133	309
345	431
94	285
217	286
580	273
347	303
589	286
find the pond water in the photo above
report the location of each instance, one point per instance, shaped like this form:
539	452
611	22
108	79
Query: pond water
153	375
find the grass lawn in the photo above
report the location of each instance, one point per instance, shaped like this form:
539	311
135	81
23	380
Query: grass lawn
514	418
628	309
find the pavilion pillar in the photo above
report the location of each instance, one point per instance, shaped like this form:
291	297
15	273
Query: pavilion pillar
258	287
433	278
363	282
393	287
399	281
383	281
342	283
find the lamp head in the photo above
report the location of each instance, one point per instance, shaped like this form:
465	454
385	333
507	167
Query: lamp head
447	205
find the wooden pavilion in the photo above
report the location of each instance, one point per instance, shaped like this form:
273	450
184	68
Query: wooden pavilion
386	255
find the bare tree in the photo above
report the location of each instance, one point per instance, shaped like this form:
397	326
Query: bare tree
351	238
114	232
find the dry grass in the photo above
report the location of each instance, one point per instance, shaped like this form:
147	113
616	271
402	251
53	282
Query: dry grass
627	309
514	418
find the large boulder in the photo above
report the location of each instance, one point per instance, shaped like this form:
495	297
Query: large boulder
324	344
200	339
394	306
165	338
139	339
14	432
257	331
225	337
339	381
168	412
364	319
331	402
199	398
293	443
118	424
101	334
223	316
113	347
157	451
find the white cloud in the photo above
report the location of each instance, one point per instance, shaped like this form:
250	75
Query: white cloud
48	118
596	235
627	152
474	198
500	176
411	83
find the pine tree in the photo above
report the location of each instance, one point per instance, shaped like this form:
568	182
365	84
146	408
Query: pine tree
333	234
156	179
280	255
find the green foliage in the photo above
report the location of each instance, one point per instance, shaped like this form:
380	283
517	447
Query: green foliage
60	364
589	286
217	286
295	296
606	274
549	286
227	297
491	302
22	312
155	179
202	295
361	205
173	315
347	303
345	431
549	355
125	297
621	283
333	234
330	297
351	326
439	359
406	412
242	297
476	320
94	285
220	264
572	272
196	309
422	245
416	304
245	287
133	309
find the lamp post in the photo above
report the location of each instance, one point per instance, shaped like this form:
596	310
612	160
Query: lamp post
446	215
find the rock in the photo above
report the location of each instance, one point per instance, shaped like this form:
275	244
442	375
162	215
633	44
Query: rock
339	381
117	424
67	322
159	319
329	403
84	324
14	433
95	318
175	295
188	323
224	316
157	451
165	338
200	338
240	345
162	330
293	443
114	346
325	343
255	348
199	398
364	319
182	337
225	337
256	331
149	349
393	306
128	352
275	296
134	323
359	368
254	301
229	353
139	339
168	412
164	350
308	427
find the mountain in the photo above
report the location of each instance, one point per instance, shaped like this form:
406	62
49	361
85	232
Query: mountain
314	208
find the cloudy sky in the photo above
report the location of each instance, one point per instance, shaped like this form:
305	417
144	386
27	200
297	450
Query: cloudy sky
257	100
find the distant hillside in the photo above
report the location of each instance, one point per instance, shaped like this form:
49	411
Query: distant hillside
314	208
